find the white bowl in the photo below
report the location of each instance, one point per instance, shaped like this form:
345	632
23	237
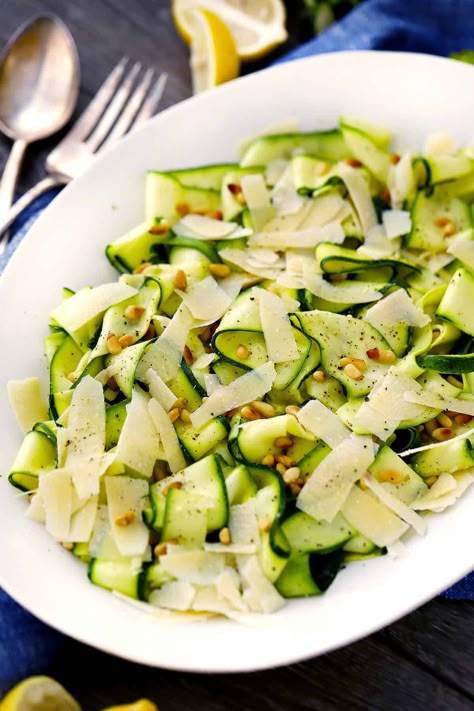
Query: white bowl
410	94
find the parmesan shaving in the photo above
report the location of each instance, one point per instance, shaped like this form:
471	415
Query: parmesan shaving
56	491
330	483
304	239
257	198
396	505
463	480
168	436
86	304
322	422
401	180
243	524
207	228
206	300
211	383
354	293
126	499
396	308
368	515
258	592
397	223
377	245
430	399
360	195
159	390
193	566
444	484
175	595
277	330
462	247
433	445
27	402
246	388
139	446
240	258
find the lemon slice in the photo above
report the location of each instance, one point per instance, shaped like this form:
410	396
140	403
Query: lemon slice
214	58
257	26
140	705
39	693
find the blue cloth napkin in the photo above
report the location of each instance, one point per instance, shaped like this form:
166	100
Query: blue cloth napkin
434	26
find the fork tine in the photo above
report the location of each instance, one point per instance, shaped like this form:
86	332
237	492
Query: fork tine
129	112
151	102
89	117
114	109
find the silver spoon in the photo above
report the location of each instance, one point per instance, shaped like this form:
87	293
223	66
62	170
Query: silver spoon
39	85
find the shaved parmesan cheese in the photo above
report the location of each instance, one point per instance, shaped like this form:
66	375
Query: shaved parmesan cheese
321	421
396	308
139	446
440	144
444	484
355	293
168	436
203	361
166	354
159	390
243	524
430	399
246	388
206	300
86	304
438	261
241	259
286	200
433	445
102	544
329	485
55	489
193	566
397	550
264	256
360	195
463	480
377	245
397	223
227	585
82	521
211	383
233	284
205	228
35	510
258	592
274	170
257	198
326	208
368	515
27	402
401	180
85	446
175	595
126	499
395	504
305	238
231	548
462	247
277	330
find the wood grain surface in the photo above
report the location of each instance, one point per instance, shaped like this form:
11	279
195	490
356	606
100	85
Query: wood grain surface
425	661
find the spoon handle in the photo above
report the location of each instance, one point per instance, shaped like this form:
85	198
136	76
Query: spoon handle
10	176
51	181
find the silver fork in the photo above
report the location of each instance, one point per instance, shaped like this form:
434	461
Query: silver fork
122	103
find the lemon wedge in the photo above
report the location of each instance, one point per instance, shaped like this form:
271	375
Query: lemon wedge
140	705
257	26
214	58
39	693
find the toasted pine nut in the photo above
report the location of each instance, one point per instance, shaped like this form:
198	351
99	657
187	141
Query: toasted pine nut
268	460
385	195
248	413
420	428
386	356
263	408
215	214
322	168
125	519
150	332
173	485
158	473
449	230
319	376
180	403
185	416
188	355
431	480
362	484
395	158
264	524
182	208
441	221
141	267
337	277
431	426
353	372
281	469
292	410
224	536
67	545
180	280
444	420
353	162
295	488
392	476
160	228
285	460
133	312
442	433
283	442
113	344
373	353
358	362
234	188
242	352
174	414
462	419
112	384
454	382
291	475
219	270
160	549
71	377
126	340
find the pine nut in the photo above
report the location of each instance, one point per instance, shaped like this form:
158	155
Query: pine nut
442	433
322	169
182	208
141	267
291	475
234	188
264	524
180	403
188	355
385	195
441	221
358	362
431	426
373	353
71	377
353	162
444	420
295	489
219	270
160	228
67	545
462	419
392	476
362	484
173	485
113	344
180	280
263	408
174	414
283	442
224	536
150	332
126	340
431	480
112	384
386	356
133	312
125	519
268	461
292	410
242	352
185	416
160	549
158	473
353	372
248	413
454	382
449	230
319	376
280	468
214	214
285	460
395	158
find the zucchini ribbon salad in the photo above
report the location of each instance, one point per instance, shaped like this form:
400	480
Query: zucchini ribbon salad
279	383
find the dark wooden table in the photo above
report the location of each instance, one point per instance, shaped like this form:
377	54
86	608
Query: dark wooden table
425	661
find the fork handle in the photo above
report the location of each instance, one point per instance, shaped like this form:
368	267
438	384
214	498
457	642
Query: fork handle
51	181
